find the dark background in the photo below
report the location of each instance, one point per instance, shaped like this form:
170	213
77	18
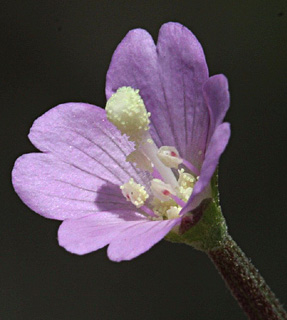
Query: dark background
59	51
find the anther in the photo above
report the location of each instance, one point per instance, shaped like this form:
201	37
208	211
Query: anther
135	193
186	180
173	212
169	156
161	190
151	151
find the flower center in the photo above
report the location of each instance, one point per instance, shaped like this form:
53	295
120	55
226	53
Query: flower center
169	192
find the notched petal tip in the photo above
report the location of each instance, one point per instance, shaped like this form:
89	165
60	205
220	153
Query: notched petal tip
176	33
174	27
130	53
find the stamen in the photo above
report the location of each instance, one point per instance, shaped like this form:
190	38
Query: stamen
191	167
169	156
186	180
161	190
184	193
135	193
178	200
186	183
148	211
173	212
149	148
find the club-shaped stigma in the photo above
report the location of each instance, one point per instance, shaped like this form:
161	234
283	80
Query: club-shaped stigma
126	110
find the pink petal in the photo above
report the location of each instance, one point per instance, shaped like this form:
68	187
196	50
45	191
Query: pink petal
138	238
129	234
95	231
82	168
183	71
215	148
217	98
59	190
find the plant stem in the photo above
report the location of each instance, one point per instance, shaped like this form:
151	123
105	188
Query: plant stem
246	284
205	229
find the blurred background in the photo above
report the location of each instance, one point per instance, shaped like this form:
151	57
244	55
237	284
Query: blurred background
59	51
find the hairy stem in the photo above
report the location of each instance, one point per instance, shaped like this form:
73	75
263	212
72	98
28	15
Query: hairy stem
246	284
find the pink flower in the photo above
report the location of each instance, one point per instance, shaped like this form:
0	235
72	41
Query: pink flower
82	175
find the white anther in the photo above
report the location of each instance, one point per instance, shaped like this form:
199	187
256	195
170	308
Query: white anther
186	183
149	148
173	212
186	180
134	193
160	207
184	193
169	156
161	190
126	110
141	161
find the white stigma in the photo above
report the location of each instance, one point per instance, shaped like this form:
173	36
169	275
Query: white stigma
126	110
169	156
134	192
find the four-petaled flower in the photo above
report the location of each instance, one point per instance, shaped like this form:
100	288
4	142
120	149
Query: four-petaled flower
125	177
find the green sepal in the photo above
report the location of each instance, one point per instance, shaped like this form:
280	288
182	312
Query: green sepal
210	231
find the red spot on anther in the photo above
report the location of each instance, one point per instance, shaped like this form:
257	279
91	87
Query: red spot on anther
166	192
128	197
173	154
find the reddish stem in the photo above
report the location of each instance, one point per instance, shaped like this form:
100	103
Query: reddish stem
246	284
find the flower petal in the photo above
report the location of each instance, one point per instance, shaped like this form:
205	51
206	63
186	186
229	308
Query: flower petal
217	98
170	78
59	190
139	237
82	168
94	231
215	148
80	133
183	71
129	234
